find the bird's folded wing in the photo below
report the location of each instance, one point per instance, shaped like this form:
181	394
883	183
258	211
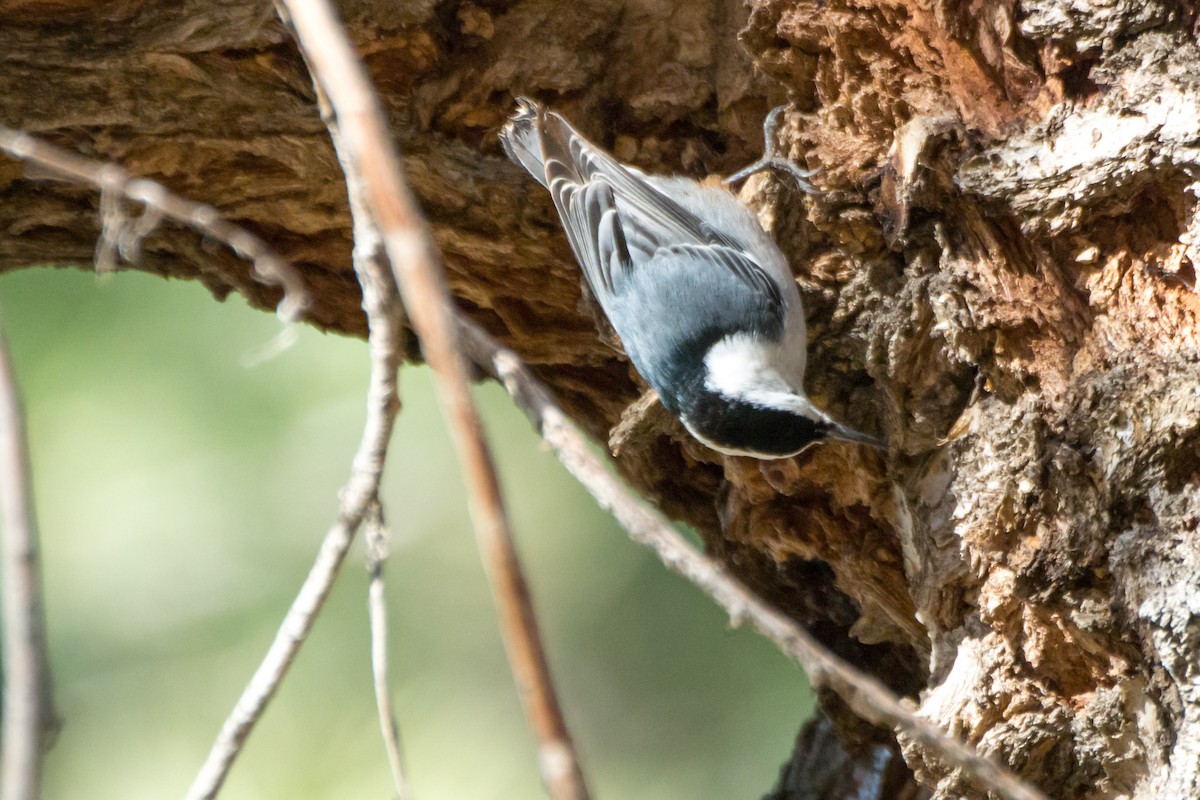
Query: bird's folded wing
638	220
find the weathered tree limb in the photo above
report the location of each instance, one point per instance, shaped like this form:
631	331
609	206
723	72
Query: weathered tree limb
863	694
1000	275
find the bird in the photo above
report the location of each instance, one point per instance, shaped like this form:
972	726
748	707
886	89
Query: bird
699	294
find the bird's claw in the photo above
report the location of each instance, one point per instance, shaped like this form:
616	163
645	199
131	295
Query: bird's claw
770	160
775	162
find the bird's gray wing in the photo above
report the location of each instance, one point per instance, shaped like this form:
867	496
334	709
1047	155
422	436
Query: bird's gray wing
708	286
708	258
674	307
624	221
589	216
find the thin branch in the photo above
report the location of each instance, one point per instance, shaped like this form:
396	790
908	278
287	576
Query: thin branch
370	264
869	698
28	713
125	237
384	322
417	266
359	493
377	553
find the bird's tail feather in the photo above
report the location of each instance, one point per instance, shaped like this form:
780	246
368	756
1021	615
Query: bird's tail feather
534	136
576	172
521	138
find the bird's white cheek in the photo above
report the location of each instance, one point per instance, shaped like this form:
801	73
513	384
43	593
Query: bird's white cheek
741	367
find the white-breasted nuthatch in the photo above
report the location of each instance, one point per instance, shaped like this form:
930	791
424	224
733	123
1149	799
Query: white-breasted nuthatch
702	298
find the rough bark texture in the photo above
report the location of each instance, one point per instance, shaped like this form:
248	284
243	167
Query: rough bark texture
1000	280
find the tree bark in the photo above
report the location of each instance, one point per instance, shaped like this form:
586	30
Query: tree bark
999	277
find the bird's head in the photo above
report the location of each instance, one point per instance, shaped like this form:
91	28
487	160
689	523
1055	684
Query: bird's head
765	424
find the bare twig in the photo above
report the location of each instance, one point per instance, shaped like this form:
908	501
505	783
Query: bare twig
115	183
357	496
416	264
370	264
377	553
360	492
384	321
869	698
28	714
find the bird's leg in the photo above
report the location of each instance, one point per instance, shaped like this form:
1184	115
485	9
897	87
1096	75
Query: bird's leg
770	160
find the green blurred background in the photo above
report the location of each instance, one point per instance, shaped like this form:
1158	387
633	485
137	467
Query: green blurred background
182	497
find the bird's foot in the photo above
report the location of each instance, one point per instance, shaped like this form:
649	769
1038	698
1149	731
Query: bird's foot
770	160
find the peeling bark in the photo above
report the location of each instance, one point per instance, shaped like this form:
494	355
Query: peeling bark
1000	279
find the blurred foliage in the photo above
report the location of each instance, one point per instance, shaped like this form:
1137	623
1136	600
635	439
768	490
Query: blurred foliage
182	496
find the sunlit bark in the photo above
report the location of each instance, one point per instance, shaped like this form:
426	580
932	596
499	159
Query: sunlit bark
999	278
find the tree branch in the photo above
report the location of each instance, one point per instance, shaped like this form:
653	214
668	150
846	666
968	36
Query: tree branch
385	321
357	496
416	264
869	698
377	553
370	264
28	712
124	237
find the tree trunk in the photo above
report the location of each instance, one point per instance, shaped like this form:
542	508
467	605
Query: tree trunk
999	280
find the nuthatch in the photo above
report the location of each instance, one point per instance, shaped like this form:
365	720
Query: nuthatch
702	298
